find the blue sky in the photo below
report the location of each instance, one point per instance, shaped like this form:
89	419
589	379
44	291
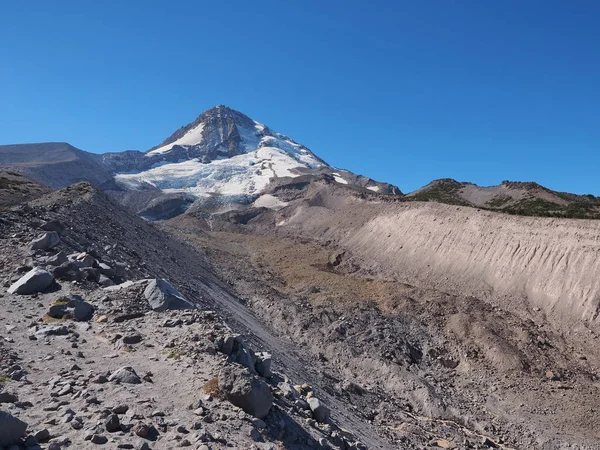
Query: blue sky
401	91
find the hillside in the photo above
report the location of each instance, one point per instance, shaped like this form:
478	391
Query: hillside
518	198
55	164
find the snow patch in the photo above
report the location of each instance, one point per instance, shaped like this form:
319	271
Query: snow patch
339	179
269	201
373	188
192	137
248	173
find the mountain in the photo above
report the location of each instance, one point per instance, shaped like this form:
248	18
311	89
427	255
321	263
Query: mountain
222	159
524	199
223	152
56	164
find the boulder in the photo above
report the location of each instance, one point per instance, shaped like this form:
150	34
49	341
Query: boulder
53	225
288	390
11	429
67	271
162	296
242	354
319	410
225	345
125	375
56	260
45	241
52	330
105	281
6	397
91	274
246	391
87	259
120	270
36	280
73	306
263	364
106	270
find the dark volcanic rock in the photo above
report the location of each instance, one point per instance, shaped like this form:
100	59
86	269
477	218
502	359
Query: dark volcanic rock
11	429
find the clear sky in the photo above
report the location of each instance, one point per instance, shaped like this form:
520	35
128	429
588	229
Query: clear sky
401	91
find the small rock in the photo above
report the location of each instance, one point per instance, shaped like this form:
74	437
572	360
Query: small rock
255	435
112	423
141	429
320	411
125	375
99	439
121	409
42	435
131	339
5	397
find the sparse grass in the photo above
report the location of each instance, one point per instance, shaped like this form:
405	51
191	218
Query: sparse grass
175	354
211	387
542	208
4	379
499	201
444	191
49	319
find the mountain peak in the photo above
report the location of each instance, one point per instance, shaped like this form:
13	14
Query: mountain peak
222	151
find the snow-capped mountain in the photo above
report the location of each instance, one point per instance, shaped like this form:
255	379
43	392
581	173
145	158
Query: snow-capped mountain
221	152
222	159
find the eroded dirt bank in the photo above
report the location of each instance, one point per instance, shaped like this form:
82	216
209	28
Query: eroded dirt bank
521	263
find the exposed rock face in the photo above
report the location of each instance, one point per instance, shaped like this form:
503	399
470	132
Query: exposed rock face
36	280
11	429
167	206
246	391
162	296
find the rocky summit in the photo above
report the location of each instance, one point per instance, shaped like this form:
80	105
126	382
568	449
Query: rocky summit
228	288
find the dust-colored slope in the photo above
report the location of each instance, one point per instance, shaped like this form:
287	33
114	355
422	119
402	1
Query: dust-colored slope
56	164
521	262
